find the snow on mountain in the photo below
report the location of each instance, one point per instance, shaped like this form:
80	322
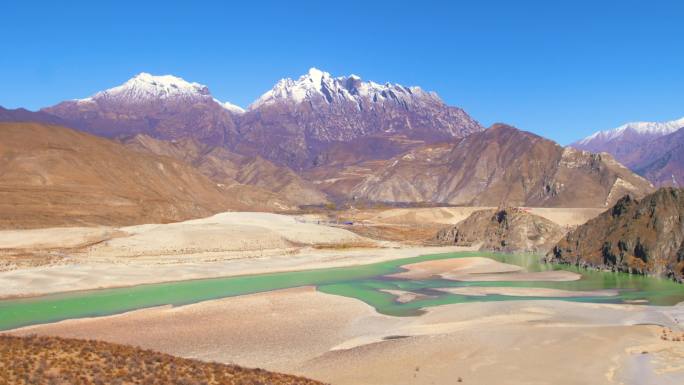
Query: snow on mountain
144	87
651	129
161	106
232	107
317	84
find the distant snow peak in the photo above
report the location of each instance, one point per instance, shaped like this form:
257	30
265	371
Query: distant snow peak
232	107
145	87
315	75
320	84
642	128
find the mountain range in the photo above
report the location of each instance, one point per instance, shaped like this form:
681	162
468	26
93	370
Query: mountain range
502	166
652	149
292	124
319	139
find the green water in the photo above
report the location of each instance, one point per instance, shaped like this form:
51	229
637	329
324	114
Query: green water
361	282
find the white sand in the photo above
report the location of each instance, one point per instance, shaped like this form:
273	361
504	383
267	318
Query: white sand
343	341
83	275
479	269
527	292
452	215
59	237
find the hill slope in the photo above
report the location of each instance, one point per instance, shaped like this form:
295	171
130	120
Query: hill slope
274	185
661	160
61	361
52	175
621	141
652	149
502	166
642	236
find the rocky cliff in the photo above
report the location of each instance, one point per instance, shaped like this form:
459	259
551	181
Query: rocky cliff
504	229
644	236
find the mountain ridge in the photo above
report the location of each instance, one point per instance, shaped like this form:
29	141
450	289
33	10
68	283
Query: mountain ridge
651	149
292	124
501	166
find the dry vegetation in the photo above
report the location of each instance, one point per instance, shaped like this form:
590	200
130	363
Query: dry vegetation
59	361
418	234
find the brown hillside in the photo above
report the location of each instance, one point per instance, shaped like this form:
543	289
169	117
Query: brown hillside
54	176
59	361
273	187
502	166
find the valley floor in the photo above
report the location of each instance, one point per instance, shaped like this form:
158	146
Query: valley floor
344	341
337	339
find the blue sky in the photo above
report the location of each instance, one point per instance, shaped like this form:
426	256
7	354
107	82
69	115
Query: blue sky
562	69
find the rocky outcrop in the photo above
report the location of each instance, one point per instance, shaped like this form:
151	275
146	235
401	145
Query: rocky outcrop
643	236
502	166
504	229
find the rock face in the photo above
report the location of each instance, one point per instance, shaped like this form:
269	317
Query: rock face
299	119
644	236
248	176
54	176
165	107
502	166
503	229
652	149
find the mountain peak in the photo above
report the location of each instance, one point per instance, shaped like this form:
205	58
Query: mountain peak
320	85
316	75
145	86
653	129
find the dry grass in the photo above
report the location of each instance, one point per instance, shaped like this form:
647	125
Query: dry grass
413	234
343	245
59	361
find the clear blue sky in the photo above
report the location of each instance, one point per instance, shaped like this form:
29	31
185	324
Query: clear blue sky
561	69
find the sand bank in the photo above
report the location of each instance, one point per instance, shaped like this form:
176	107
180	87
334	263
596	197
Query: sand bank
479	269
343	341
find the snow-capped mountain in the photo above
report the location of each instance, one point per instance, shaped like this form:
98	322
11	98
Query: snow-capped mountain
643	129
145	88
166	106
649	148
232	107
304	116
294	123
320	85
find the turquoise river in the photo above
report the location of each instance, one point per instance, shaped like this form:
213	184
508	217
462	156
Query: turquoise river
363	282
